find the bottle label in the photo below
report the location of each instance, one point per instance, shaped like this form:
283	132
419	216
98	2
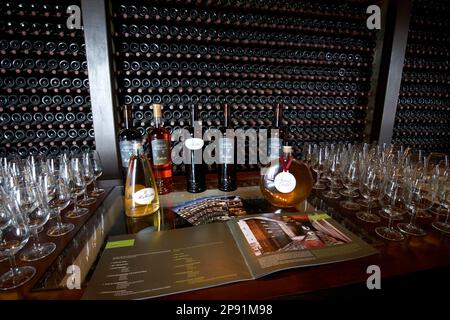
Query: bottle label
160	152
194	143
285	182
226	150
144	196
274	148
127	149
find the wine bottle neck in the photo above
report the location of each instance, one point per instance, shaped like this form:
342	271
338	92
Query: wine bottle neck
158	122
226	114
128	121
277	117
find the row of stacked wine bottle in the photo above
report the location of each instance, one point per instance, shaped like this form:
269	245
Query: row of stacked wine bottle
312	58
423	113
44	87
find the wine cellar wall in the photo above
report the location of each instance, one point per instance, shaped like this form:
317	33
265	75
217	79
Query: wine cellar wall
423	112
313	58
44	89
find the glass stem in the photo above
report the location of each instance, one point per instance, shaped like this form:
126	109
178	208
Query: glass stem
95	185
447	217
390	221
58	218
75	203
12	265
318	178
36	243
412	222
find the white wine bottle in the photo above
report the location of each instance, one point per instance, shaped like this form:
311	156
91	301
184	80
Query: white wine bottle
141	194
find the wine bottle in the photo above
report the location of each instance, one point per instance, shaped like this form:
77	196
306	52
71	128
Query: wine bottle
275	140
227	157
195	172
287	182
141	195
158	149
130	140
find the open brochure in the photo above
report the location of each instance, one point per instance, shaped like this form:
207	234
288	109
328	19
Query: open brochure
244	248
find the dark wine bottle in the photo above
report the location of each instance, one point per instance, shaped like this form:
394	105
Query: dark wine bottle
195	172
130	140
227	157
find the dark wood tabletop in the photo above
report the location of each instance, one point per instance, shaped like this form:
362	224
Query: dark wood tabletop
396	260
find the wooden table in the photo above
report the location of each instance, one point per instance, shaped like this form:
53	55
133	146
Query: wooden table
398	261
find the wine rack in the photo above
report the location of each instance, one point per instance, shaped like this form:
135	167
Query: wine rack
423	112
313	58
44	88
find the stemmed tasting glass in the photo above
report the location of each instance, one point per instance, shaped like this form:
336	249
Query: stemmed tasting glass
308	151
61	199
440	171
88	174
318	165
370	185
14	234
97	168
329	151
350	180
4	220
77	188
418	195
390	200
334	169
47	181
36	217
444	199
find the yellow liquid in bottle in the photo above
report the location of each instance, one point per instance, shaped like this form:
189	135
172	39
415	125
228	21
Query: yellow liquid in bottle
141	194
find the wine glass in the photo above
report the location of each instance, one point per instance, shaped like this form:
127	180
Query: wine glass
334	169
329	151
390	200
370	184
4	222
61	200
47	181
439	169
444	199
14	234
350	180
36	217
98	171
77	188
308	151
35	166
88	174
418	195
318	165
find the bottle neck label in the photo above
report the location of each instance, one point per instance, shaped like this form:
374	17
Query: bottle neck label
127	149
160	152
226	151
285	182
144	196
194	143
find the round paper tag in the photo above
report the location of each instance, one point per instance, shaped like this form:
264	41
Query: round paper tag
285	182
144	196
194	143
